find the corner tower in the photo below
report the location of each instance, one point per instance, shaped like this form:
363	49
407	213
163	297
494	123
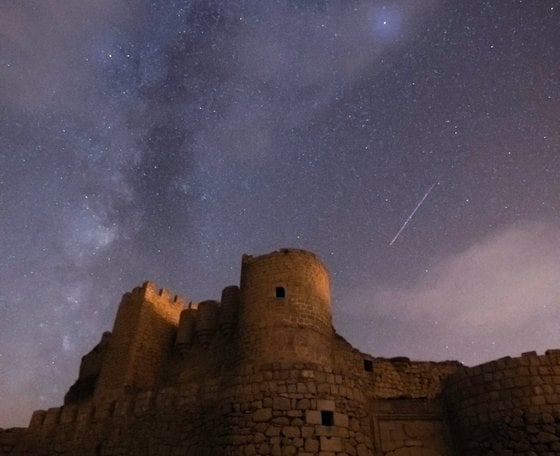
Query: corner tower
143	335
285	312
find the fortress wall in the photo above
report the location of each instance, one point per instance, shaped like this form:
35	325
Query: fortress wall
508	406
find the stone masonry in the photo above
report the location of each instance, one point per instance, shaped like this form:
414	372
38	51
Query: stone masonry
263	372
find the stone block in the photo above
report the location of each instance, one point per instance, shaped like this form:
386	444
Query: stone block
262	415
289	450
340	419
313	417
362	450
311	445
547	437
330	443
291	431
324	404
281	403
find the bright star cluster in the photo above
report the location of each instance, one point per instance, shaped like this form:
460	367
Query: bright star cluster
163	139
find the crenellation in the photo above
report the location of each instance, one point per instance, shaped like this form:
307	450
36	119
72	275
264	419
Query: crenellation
263	372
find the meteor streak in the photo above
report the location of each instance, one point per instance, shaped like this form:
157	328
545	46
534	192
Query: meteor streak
412	214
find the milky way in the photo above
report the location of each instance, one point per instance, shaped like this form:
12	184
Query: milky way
161	140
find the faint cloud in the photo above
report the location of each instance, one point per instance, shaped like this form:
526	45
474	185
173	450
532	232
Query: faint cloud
503	278
510	280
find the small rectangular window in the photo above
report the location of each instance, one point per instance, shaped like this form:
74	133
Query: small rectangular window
327	418
280	292
368	365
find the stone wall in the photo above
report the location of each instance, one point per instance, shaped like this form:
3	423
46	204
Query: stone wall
506	407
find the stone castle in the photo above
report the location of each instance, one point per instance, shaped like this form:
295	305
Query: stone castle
263	372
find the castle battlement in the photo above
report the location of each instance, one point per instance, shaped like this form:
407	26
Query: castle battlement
263	372
150	291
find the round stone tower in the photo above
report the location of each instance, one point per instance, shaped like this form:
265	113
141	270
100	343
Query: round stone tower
285	312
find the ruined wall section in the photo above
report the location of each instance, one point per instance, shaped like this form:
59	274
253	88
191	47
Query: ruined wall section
393	378
508	406
285	311
402	378
143	336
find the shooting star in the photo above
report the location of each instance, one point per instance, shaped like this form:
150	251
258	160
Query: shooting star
412	215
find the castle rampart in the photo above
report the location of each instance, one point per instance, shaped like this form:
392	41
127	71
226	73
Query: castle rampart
262	372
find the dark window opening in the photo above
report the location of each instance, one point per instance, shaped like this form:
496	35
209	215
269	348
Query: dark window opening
327	418
368	365
280	292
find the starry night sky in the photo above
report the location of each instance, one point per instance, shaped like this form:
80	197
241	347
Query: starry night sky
163	139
